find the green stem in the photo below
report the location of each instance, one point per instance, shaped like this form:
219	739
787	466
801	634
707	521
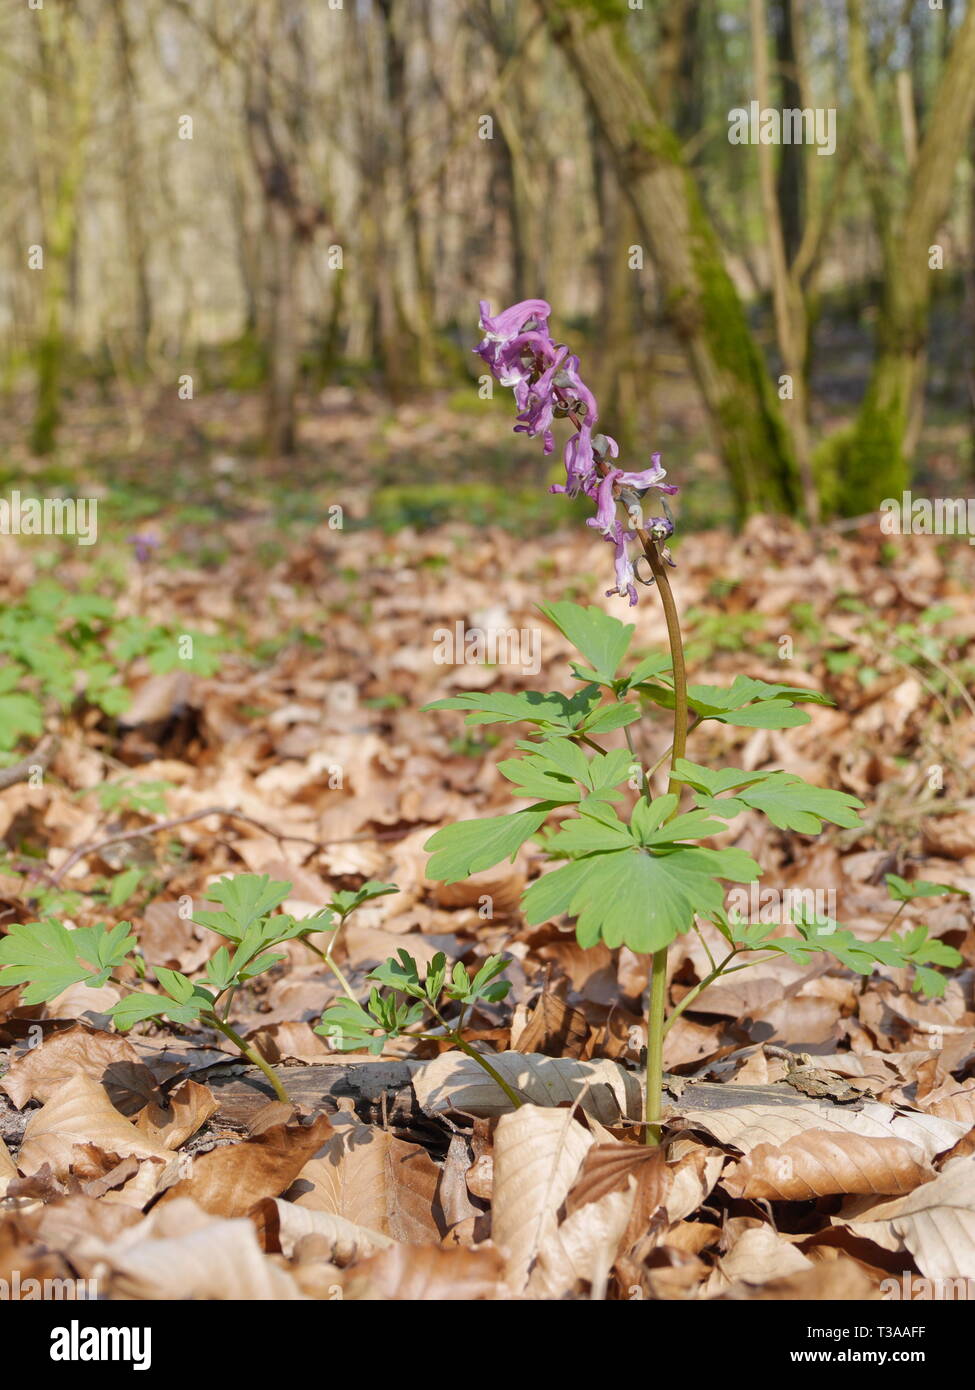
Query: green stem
492	1072
658	974
655	1047
252	1055
453	1032
692	994
326	958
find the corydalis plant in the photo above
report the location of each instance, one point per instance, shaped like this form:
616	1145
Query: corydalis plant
47	957
642	878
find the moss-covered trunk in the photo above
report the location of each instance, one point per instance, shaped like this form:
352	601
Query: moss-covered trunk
700	298
870	459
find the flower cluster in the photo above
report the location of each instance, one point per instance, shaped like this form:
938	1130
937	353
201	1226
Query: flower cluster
520	353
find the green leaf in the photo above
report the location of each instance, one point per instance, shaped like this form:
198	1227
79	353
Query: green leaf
790	803
637	898
123	886
485	984
607	717
48	958
537	775
471	845
348	899
245	898
602	640
656	664
714	781
749	703
134	1008
21	716
176	985
554	711
903	891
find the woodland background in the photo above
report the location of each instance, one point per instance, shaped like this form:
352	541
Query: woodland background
295	205
238	340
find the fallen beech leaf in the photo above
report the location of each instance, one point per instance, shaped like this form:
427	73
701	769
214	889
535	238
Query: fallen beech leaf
821	1163
695	1170
936	1223
841	1280
376	1181
554	1029
229	1180
429	1274
38	1072
180	1252
744	1127
187	1108
79	1112
756	1254
537	1156
455	1082
284	1224
583	1249
8	1169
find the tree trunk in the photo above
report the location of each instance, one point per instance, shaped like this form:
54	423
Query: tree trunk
699	296
871	459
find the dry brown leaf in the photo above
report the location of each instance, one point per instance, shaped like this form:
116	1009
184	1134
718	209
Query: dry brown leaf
187	1108
228	1181
283	1224
8	1169
583	1250
106	1058
455	1082
376	1181
80	1113
744	1127
821	1163
429	1274
537	1156
180	1252
554	1029
936	1223
840	1280
756	1253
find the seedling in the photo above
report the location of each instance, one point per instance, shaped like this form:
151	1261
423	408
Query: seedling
47	957
350	1026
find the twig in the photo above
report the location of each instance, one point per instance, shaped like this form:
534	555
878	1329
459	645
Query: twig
41	757
95	846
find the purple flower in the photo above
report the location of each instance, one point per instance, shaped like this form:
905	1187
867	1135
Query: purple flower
545	379
501	328
649	477
144	544
606	501
622	564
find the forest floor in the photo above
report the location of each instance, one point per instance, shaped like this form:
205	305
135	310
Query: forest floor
129	1159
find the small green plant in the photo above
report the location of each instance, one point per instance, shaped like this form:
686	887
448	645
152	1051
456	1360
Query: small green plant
47	957
350	1026
56	646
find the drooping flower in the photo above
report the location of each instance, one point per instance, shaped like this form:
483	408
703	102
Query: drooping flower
622	564
500	329
545	379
